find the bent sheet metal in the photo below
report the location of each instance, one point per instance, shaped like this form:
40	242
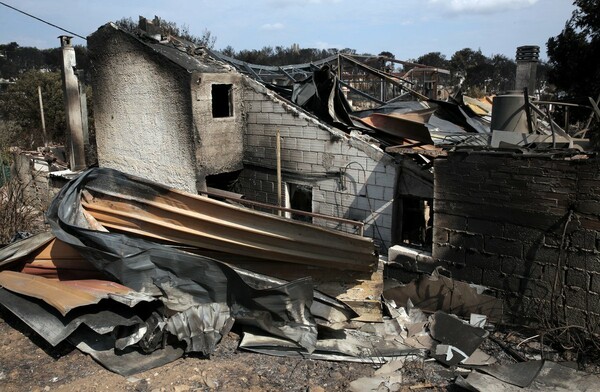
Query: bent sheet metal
198	297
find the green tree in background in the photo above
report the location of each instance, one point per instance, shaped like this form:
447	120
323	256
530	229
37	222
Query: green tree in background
19	106
574	53
26	68
473	68
16	60
573	64
503	73
434	59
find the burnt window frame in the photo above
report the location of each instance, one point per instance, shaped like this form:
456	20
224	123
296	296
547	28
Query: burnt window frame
221	97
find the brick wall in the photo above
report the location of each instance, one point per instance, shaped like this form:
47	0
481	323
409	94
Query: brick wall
349	177
526	225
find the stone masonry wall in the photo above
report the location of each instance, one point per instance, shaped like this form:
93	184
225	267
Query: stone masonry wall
349	177
526	226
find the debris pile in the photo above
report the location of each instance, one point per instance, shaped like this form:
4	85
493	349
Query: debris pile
137	275
163	293
122	278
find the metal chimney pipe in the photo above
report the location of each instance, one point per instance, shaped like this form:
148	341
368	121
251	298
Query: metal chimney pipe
72	105
527	61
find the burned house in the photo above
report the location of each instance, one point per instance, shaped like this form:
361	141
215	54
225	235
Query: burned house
156	270
162	113
190	121
486	230
518	213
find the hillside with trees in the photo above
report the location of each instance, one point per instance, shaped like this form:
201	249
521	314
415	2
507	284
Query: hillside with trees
22	70
571	72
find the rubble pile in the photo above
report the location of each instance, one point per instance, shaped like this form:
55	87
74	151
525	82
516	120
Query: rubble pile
134	302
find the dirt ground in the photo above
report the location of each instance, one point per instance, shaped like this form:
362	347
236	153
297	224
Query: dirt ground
27	363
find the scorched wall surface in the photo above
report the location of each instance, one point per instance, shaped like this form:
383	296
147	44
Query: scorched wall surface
349	178
526	225
142	111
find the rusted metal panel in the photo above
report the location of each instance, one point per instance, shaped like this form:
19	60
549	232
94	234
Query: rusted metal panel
102	319
61	297
65	296
58	250
62	269
52	260
21	250
188	219
400	126
219	195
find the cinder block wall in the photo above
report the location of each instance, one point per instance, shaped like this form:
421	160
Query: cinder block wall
349	178
500	220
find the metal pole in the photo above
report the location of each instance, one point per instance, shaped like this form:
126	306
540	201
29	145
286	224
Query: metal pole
551	127
278	152
42	116
528	110
236	197
597	102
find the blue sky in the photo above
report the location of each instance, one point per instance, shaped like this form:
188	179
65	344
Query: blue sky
407	28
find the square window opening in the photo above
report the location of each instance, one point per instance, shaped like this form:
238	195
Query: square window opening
222	100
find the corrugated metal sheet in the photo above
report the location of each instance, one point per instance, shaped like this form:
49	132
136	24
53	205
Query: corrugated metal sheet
19	250
188	219
59	261
65	296
400	126
62	269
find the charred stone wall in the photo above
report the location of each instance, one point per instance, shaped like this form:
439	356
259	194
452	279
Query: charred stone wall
142	111
219	144
526	225
348	177
163	114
